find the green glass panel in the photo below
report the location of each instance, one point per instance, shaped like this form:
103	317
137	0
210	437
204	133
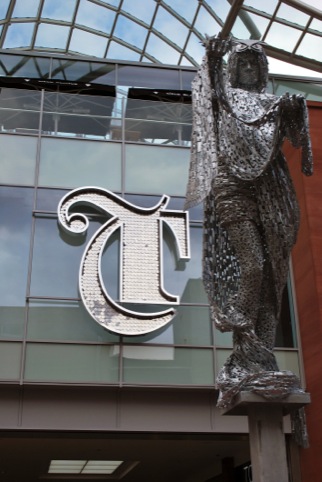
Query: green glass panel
74	363
16	216
288	360
57	257
223	339
64	321
167	365
74	163
18	159
191	326
10	359
156	170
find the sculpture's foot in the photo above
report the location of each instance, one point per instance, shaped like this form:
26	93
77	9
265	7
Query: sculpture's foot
271	385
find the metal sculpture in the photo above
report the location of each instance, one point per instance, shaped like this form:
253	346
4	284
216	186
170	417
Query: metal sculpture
251	212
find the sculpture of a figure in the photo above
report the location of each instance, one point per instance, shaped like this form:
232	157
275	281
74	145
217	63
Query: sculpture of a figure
251	212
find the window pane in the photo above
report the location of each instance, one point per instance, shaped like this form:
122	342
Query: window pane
66	321
156	170
167	365
56	259
80	115
75	163
10	359
83	71
74	363
148	77
18	159
288	360
19	110
23	66
191	326
16	215
184	279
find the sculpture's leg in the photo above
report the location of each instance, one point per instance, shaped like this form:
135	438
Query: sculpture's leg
248	246
267	320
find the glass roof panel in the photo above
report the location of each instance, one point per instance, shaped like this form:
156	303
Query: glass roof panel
176	20
161	50
117	51
316	25
170	27
240	30
195	49
205	23
220	7
25	8
19	35
95	16
130	32
185	8
262	5
292	15
53	36
260	22
59	9
142	10
283	37
4	8
87	43
311	46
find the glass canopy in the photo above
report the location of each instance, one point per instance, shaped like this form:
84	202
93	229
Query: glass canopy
162	31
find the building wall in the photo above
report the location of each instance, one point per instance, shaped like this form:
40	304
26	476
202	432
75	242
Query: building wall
307	266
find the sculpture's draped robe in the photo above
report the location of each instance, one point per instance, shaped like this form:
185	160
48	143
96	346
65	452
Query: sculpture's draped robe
240	172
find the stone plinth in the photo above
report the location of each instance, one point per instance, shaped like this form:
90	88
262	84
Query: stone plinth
266	435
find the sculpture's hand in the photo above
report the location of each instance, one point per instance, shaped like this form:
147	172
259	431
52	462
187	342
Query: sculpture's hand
216	46
291	103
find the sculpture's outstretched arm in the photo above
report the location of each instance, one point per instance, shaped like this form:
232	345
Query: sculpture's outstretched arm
296	128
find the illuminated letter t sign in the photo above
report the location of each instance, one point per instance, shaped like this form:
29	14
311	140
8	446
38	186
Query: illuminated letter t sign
141	273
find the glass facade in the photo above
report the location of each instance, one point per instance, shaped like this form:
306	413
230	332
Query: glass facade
53	141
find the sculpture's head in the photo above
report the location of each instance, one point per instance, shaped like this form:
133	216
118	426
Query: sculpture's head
247	67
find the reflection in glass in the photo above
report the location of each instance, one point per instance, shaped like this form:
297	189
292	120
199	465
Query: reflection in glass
16	217
18	159
64	321
56	259
184	279
191	326
83	71
10	359
19	110
73	363
167	365
74	163
136	76
24	66
156	170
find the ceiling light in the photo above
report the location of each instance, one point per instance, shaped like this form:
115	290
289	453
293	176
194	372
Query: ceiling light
105	467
